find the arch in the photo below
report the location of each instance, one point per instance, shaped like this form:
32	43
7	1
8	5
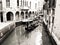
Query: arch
17	15
17	12
22	14
33	12
29	13
26	13
9	16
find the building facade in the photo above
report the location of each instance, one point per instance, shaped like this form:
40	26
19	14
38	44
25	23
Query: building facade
1	12
14	10
10	10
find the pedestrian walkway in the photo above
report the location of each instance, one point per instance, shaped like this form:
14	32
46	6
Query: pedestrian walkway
4	24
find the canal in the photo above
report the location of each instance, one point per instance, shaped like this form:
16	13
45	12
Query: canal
21	36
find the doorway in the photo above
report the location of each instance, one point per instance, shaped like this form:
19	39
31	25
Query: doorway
9	16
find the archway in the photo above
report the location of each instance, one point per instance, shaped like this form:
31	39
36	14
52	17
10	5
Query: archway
29	13
17	15
33	12
9	16
22	14
26	13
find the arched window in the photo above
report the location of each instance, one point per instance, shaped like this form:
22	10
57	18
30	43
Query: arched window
29	13
17	2
26	14
9	16
22	14
17	15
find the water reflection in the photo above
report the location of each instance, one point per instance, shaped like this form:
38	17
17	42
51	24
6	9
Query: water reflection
20	36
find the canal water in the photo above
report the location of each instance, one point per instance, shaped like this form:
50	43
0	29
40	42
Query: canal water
21	36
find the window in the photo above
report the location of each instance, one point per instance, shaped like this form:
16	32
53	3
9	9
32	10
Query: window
26	3
7	3
35	5
0	5
17	2
21	2
52	3
30	4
